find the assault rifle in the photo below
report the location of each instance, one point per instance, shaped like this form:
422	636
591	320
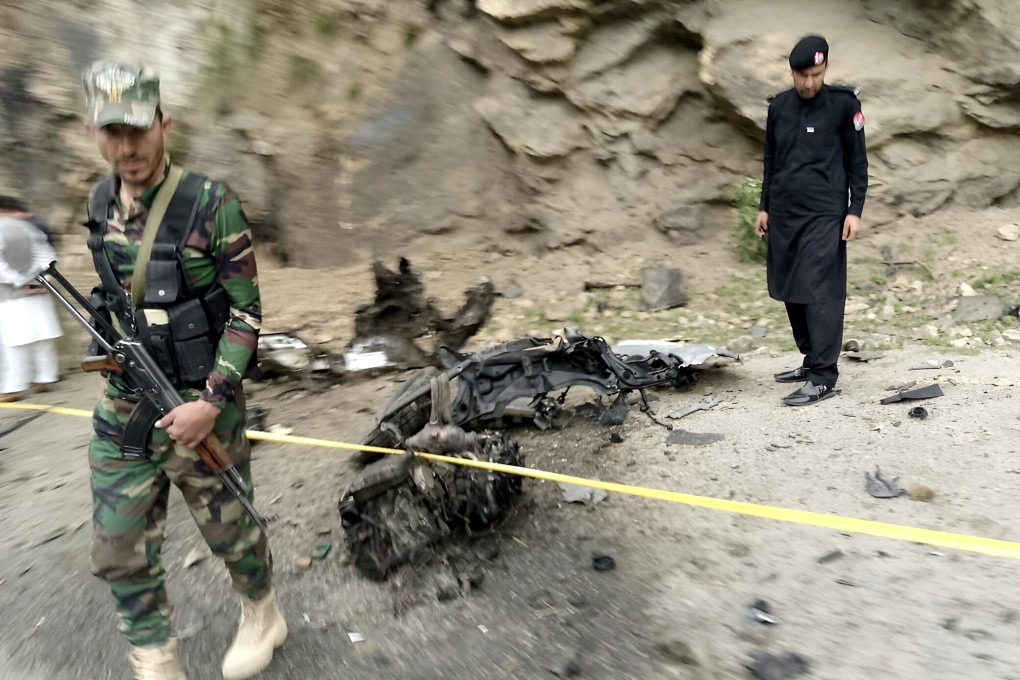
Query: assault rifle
146	379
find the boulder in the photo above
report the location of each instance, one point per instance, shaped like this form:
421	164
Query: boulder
540	126
542	43
1008	232
979	308
682	225
612	44
519	11
662	287
647	86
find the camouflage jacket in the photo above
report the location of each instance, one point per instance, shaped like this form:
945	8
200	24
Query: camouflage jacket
219	249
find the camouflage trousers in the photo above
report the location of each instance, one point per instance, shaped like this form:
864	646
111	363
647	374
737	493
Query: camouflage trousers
129	507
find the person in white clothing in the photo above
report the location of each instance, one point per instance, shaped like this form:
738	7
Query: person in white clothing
28	320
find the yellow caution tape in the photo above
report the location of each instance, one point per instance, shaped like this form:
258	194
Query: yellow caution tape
978	544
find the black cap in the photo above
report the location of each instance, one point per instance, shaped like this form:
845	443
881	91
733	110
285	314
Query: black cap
811	51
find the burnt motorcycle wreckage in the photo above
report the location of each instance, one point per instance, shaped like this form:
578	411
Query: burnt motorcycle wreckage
400	507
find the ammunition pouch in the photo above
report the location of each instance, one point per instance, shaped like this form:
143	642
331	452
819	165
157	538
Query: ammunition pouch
183	338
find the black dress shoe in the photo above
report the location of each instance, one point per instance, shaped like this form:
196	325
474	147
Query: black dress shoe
809	394
798	374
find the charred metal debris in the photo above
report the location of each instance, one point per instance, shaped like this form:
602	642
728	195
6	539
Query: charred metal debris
399	508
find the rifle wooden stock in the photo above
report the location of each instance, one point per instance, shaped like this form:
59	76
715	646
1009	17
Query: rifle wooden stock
212	454
103	363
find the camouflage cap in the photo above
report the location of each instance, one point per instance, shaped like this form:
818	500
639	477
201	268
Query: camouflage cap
119	92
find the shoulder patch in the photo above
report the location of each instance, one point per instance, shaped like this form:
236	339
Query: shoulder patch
858	121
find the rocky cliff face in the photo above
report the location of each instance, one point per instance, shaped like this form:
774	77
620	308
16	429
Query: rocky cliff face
354	127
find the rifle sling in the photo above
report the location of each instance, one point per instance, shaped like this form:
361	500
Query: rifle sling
153	223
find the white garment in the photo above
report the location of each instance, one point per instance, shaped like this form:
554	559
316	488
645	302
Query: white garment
27	319
23	365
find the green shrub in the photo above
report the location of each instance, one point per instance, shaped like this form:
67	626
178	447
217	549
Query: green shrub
302	70
749	247
328	24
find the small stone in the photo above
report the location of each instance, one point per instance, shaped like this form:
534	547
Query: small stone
196	556
447	588
677	651
741	345
569	666
922	493
1008	232
303	563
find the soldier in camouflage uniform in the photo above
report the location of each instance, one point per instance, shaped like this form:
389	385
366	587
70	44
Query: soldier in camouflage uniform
130	495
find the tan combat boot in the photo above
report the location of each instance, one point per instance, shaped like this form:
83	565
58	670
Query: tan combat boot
157	663
261	631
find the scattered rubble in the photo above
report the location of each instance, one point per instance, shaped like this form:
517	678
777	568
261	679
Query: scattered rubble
880	486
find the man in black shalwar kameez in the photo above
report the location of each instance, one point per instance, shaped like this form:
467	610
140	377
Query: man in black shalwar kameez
816	177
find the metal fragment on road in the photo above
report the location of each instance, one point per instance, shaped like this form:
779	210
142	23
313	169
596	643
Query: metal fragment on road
701	405
880	486
928	392
573	493
21	422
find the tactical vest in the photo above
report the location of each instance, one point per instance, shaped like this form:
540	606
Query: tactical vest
179	326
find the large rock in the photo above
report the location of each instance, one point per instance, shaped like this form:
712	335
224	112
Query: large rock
539	126
612	44
542	43
647	86
512	11
979	308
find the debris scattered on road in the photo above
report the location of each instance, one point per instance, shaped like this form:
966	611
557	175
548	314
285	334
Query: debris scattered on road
303	563
615	438
686	438
700	405
830	557
601	562
197	555
760	612
401	507
922	493
20	423
386	330
880	486
933	364
255	417
355	637
852	346
846	582
766	666
320	551
929	392
918	412
864	357
573	493
52	535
